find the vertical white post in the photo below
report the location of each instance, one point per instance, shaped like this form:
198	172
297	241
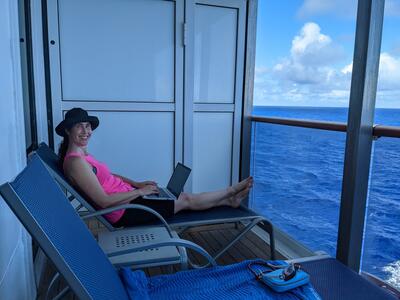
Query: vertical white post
16	265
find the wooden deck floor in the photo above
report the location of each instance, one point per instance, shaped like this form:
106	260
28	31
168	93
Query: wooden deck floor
210	238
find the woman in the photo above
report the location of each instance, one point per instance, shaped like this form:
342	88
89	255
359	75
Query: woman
105	189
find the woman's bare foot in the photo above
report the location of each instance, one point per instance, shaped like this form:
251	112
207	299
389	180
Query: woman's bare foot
239	197
238	187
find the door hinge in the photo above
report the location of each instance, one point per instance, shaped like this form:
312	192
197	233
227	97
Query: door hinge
184	29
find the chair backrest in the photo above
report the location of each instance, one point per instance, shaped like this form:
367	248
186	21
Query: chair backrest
40	205
51	160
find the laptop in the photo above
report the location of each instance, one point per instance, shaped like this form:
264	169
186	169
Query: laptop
175	184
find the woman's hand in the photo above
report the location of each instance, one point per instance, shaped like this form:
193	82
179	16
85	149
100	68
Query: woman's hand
148	190
140	185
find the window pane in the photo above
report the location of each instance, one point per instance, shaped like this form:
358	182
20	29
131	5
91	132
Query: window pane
304	53
215	54
298	173
381	253
117	50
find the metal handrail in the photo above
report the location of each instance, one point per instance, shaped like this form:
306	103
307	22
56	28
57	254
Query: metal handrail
377	131
386	131
324	125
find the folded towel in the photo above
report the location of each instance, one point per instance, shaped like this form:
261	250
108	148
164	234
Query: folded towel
222	282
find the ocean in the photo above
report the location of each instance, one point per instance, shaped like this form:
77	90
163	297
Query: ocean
298	174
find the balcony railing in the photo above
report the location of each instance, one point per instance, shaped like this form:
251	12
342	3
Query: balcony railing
377	131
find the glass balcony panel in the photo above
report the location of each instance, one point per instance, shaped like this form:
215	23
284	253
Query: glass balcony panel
298	178
304	55
388	89
381	251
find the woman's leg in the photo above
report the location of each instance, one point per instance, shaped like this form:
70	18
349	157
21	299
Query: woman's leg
231	196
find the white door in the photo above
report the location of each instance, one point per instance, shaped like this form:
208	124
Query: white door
217	95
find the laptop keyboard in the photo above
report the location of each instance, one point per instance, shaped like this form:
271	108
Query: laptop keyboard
163	194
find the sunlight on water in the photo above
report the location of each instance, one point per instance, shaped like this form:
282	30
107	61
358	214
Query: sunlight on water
394	273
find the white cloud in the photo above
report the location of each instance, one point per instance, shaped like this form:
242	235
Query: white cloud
313	74
389	72
311	56
347	69
312	47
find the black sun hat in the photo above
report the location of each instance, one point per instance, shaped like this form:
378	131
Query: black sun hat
73	116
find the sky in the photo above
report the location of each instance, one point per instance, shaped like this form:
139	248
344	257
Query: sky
304	53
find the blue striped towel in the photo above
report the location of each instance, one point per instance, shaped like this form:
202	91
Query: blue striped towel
222	282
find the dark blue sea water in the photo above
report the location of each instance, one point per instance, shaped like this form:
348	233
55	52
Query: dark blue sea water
298	173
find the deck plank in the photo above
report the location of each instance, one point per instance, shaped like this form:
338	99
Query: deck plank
247	248
215	246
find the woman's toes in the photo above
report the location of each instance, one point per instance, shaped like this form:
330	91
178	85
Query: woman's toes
248	182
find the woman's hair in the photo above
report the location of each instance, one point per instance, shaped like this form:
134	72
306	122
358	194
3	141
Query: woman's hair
62	150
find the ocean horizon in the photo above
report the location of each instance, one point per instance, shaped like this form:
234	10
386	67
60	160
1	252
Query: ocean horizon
298	179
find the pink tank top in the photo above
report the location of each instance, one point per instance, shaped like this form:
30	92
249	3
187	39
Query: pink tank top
110	183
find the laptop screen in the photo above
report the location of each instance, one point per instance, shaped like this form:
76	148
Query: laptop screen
178	179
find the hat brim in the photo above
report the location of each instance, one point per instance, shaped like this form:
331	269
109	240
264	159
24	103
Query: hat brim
67	124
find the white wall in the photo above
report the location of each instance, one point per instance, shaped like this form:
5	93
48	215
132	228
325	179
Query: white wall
16	270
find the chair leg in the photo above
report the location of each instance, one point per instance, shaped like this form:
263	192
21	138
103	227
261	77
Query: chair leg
184	258
238	237
51	285
267	226
62	293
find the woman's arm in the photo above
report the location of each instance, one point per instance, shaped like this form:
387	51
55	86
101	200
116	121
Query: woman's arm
80	173
135	183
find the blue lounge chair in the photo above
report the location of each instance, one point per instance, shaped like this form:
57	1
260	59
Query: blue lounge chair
67	242
46	213
184	219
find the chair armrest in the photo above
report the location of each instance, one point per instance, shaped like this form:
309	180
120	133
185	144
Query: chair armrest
129	206
163	243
